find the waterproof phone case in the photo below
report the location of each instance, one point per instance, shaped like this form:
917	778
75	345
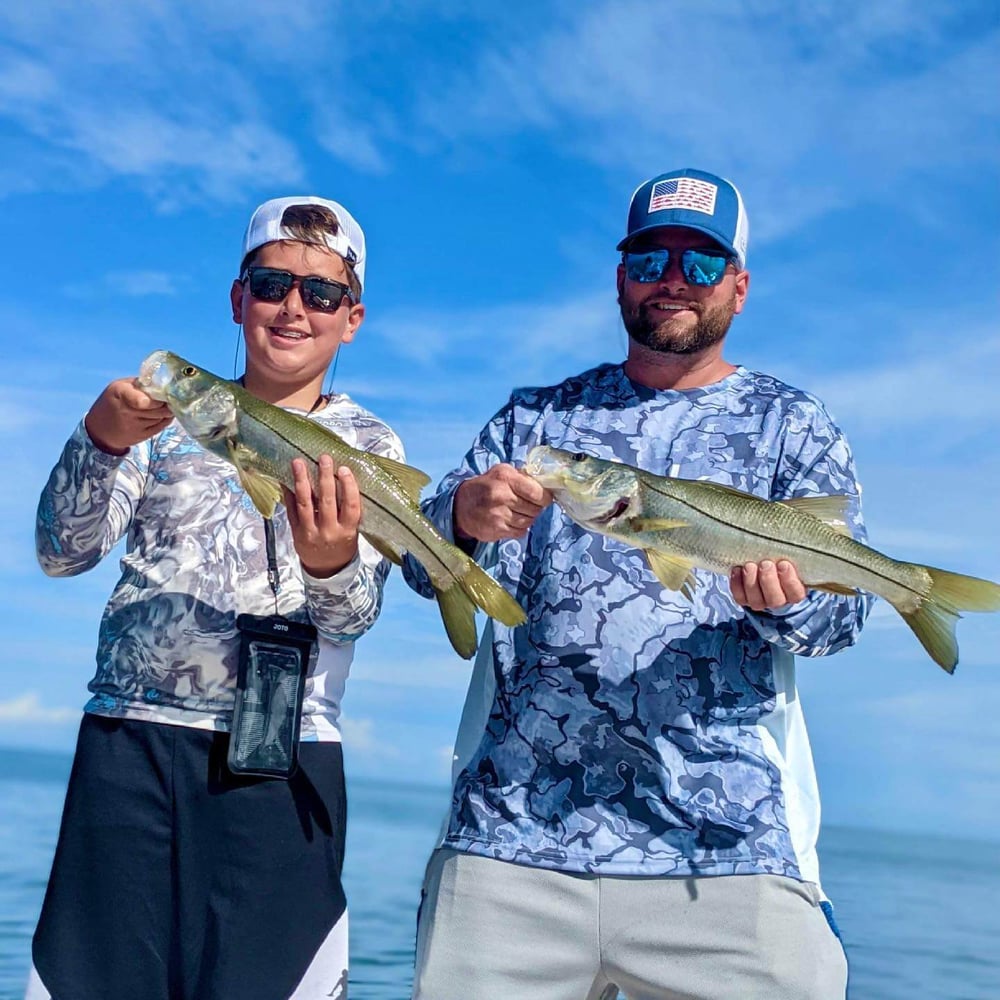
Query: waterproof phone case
274	657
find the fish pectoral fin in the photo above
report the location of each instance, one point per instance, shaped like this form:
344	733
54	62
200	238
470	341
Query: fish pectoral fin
831	510
412	480
264	491
834	588
674	572
656	523
384	548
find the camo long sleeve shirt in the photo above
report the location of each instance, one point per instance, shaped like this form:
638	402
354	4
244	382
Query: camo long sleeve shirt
195	559
624	729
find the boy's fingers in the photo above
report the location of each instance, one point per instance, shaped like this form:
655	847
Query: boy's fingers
350	496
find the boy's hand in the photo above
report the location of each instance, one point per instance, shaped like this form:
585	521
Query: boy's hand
123	415
324	528
501	503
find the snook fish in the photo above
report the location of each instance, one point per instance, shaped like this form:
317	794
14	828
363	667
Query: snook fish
261	440
680	524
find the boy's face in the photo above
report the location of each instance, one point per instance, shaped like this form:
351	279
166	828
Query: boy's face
289	345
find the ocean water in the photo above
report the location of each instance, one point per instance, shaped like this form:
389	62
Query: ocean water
920	916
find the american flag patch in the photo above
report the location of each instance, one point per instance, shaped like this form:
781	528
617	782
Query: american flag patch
683	192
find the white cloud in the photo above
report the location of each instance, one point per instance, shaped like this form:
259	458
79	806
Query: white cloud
28	708
360	738
924	388
166	95
627	88
131	284
527	335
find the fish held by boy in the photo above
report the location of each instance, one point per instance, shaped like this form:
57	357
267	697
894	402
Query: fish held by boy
680	524
261	440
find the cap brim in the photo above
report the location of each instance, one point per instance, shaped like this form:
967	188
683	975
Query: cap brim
728	247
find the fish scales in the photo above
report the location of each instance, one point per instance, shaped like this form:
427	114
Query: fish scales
394	521
680	524
261	440
734	530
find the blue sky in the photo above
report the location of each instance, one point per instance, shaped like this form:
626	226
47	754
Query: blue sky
489	155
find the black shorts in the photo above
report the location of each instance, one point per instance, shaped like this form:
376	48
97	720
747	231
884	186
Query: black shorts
174	879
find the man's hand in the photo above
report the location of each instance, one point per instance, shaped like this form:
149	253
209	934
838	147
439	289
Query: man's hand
501	503
766	586
123	415
324	525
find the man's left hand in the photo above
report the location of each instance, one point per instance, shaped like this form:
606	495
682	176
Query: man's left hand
766	586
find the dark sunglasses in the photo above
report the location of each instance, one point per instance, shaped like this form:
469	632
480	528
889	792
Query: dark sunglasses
699	267
271	285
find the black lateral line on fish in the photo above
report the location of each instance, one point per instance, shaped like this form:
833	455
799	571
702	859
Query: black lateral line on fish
767	538
380	506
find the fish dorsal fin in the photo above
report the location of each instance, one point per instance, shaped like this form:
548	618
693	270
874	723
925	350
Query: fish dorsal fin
384	548
264	491
831	510
412	480
674	572
656	523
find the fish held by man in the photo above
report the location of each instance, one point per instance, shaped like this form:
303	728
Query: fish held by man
680	524
261	440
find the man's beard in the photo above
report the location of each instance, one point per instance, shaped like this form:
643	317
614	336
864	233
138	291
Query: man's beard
651	328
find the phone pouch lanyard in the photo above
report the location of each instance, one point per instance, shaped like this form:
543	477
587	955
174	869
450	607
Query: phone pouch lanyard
274	657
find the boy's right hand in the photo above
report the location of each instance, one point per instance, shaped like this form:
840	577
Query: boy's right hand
501	503
123	415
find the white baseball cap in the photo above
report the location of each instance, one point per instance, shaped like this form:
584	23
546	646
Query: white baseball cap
348	241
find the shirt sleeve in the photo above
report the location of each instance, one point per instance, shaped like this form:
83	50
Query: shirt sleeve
493	446
815	461
346	605
87	504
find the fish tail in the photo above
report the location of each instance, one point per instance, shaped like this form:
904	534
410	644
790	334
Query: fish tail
935	620
459	616
487	594
475	588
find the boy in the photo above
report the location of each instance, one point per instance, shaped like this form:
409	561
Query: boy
173	875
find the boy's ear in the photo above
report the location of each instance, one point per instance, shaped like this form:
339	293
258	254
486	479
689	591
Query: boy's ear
236	298
354	320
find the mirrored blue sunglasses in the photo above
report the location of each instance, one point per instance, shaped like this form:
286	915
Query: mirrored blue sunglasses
699	267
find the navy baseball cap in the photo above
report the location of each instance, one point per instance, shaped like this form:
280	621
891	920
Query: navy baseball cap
694	199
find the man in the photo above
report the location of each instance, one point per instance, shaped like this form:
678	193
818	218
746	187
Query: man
629	756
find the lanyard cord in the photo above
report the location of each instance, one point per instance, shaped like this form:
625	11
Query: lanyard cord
273	577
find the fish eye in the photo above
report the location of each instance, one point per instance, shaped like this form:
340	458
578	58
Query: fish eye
579	456
188	370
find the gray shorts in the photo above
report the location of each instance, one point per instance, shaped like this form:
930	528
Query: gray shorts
492	930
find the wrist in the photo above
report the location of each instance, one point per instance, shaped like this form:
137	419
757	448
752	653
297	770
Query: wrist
100	442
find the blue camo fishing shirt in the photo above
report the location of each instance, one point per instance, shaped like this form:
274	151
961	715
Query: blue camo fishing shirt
625	730
195	559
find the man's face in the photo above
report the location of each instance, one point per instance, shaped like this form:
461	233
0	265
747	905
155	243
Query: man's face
670	315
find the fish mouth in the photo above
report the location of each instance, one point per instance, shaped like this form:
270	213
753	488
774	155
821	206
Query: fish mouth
155	376
544	467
